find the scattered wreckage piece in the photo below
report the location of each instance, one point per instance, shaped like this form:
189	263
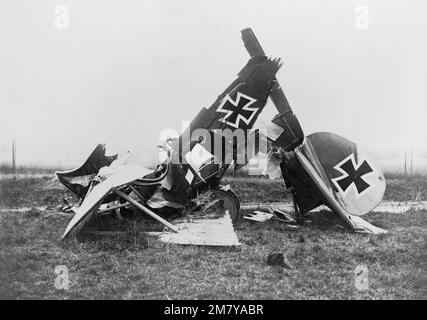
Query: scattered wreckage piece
259	216
217	231
283	216
275	214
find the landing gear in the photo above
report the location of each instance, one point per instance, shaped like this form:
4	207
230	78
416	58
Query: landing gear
217	201
230	202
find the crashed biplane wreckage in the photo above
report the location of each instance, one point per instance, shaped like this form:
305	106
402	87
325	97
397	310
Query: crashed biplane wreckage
192	171
322	168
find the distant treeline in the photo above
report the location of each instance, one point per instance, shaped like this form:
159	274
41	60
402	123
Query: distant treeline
8	169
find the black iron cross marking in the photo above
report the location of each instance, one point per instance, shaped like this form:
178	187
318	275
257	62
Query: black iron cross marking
353	175
237	110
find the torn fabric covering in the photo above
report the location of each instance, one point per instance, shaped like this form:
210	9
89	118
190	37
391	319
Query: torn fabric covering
158	201
78	180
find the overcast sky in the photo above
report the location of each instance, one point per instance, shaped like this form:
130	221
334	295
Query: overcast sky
124	70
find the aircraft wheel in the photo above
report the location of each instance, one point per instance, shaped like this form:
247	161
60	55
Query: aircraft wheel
230	202
235	196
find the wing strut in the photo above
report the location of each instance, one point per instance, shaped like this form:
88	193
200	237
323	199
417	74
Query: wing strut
146	210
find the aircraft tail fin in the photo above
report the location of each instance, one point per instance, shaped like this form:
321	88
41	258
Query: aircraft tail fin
292	135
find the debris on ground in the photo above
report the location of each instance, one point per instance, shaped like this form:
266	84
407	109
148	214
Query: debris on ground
283	216
278	259
33	213
66	205
259	216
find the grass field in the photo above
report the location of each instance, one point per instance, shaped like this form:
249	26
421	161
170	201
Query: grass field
132	266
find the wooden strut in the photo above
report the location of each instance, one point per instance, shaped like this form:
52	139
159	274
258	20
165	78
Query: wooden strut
146	210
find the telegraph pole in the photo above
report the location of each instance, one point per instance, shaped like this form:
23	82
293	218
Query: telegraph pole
405	163
412	160
15	172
